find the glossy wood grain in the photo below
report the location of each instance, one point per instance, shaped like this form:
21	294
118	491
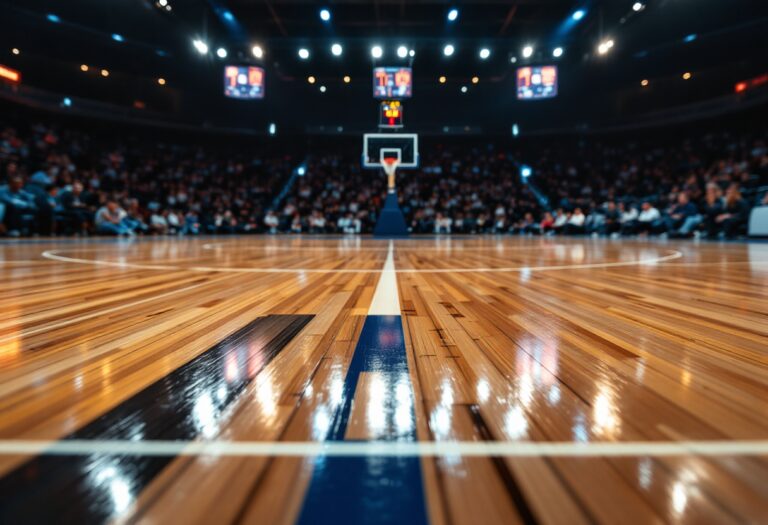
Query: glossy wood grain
507	339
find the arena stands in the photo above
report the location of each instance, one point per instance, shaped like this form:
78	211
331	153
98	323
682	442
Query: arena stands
59	180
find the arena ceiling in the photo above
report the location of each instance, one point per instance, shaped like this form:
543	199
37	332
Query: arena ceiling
725	41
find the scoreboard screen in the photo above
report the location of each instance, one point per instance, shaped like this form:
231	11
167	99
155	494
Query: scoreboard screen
243	82
536	82
392	82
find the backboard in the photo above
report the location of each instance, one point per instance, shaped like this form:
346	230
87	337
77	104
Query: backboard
379	146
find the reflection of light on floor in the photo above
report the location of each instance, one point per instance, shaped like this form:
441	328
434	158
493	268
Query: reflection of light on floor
554	395
577	253
604	413
110	479
440	422
483	390
679	497
336	394
204	413
265	394
645	472
404	408
515	422
685	378
375	411
579	429
321	422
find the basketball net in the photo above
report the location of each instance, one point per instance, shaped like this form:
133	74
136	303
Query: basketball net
390	165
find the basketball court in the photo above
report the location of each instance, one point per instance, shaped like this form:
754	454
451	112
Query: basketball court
423	380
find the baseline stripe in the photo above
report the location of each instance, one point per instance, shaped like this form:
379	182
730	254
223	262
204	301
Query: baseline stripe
384	448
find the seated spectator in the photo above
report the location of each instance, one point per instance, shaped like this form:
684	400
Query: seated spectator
733	219
547	223
75	209
561	219
20	208
443	224
271	221
109	220
575	224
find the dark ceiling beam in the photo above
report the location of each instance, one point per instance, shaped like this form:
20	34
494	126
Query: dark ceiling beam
508	20
276	18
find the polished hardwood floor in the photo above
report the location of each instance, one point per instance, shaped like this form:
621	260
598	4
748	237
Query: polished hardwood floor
573	378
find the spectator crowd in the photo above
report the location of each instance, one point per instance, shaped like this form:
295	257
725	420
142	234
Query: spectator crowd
63	181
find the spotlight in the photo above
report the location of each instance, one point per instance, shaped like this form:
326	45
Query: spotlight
67	102
687	75
513	60
578	15
525	171
448	50
322	89
347	79
411	53
441	80
221	53
257	51
15	51
201	46
402	51
557	52
303	53
453	14
515	130
690	38
84	68
162	3
527	51
644	82
311	80
638	6
161	81
105	73
272	129
117	37
475	80
485	53
464	89
301	171
336	50
325	15
53	18
377	52
605	46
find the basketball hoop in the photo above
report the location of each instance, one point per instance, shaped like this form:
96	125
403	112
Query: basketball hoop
390	165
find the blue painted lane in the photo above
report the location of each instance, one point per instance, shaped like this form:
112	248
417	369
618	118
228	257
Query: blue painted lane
372	490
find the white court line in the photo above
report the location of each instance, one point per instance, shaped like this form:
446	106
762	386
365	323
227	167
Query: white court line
386	300
674	254
384	448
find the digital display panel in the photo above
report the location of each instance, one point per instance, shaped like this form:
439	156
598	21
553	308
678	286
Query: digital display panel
391	116
392	82
536	82
243	82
